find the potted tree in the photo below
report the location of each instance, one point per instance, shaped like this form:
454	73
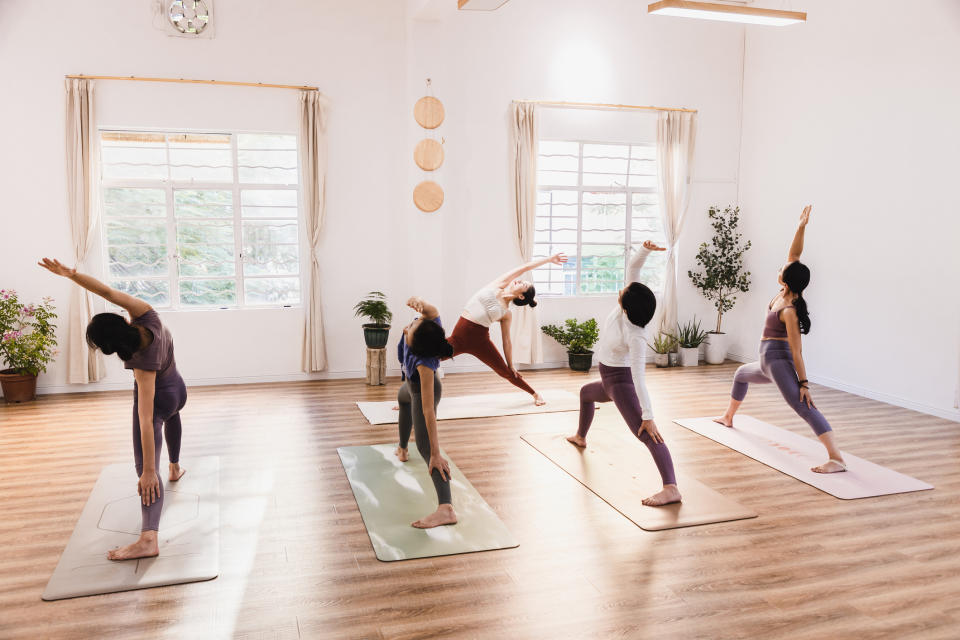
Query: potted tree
690	337
27	344
374	308
578	338
663	344
722	273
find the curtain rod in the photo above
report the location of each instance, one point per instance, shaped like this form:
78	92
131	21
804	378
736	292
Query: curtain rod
603	105
188	81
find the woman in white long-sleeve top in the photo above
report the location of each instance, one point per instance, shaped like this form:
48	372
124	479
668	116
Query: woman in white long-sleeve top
622	355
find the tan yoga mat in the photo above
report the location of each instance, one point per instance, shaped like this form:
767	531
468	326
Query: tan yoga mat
391	494
619	470
478	406
189	534
794	454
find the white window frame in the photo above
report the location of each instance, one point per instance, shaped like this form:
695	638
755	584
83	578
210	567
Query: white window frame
168	185
579	188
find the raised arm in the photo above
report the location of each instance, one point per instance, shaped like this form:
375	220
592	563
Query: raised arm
796	247
134	306
637	260
424	308
506	278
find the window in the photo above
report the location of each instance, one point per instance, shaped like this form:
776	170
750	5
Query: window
594	201
196	220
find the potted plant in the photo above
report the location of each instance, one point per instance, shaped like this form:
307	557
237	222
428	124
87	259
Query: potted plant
722	274
662	345
27	341
374	308
690	337
578	338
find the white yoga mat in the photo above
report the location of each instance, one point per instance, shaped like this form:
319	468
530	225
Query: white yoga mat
794	454
392	494
479	406
189	534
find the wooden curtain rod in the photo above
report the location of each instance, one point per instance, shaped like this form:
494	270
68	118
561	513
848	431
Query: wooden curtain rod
603	105
189	81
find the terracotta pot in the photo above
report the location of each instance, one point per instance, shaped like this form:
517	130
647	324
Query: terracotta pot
18	387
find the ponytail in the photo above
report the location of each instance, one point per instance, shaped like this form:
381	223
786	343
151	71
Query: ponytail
796	276
800	305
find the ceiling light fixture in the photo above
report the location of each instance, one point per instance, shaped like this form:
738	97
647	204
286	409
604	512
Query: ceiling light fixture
726	12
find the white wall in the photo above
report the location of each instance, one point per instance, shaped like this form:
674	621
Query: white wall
601	51
856	113
355	53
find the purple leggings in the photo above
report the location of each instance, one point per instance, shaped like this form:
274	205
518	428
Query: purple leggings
616	383
168	400
776	365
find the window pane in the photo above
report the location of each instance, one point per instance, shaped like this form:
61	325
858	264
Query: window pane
558	163
268	203
267	159
203	203
277	259
155	292
208	292
138	260
134	202
266	141
272	290
204	232
643	182
259	234
207	260
133	231
559	147
201	157
643	167
644	151
605	151
558	178
602	256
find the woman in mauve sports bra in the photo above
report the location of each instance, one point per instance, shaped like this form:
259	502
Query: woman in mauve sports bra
491	304
781	361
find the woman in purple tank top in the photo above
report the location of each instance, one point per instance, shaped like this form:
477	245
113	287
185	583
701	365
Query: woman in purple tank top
781	360
159	394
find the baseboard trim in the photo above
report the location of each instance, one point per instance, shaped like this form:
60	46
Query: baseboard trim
947	414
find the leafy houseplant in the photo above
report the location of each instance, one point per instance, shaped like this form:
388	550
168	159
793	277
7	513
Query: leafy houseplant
690	336
27	344
578	338
663	344
722	274
374	308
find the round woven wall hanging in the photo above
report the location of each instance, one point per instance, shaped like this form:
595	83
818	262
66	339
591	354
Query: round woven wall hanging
428	196
428	112
428	154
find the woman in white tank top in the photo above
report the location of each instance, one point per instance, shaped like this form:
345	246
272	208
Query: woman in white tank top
491	304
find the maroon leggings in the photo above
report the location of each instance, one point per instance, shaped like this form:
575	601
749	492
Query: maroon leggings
470	337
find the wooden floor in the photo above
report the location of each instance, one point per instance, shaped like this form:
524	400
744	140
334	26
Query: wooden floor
297	563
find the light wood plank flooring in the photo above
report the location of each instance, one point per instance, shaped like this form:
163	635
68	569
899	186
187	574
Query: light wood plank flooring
297	563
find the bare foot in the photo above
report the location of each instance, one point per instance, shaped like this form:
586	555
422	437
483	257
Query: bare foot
145	547
577	440
401	454
830	466
668	495
724	420
395	407
538	400
443	515
176	471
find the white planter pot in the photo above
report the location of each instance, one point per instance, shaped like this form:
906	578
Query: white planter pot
689	357
661	359
716	351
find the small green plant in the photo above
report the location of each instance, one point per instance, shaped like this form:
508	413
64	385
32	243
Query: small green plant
664	342
690	335
722	262
577	337
374	308
27	334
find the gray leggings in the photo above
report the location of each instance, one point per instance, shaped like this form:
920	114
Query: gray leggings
411	416
776	365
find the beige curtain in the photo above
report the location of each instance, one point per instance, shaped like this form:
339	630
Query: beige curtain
313	166
676	133
525	332
83	364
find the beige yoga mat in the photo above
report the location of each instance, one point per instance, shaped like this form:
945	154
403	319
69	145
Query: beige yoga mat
794	454
479	406
619	470
189	534
392	494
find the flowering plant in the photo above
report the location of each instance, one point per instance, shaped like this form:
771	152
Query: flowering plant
27	340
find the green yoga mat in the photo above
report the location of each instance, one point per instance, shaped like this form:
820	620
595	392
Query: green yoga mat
392	494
